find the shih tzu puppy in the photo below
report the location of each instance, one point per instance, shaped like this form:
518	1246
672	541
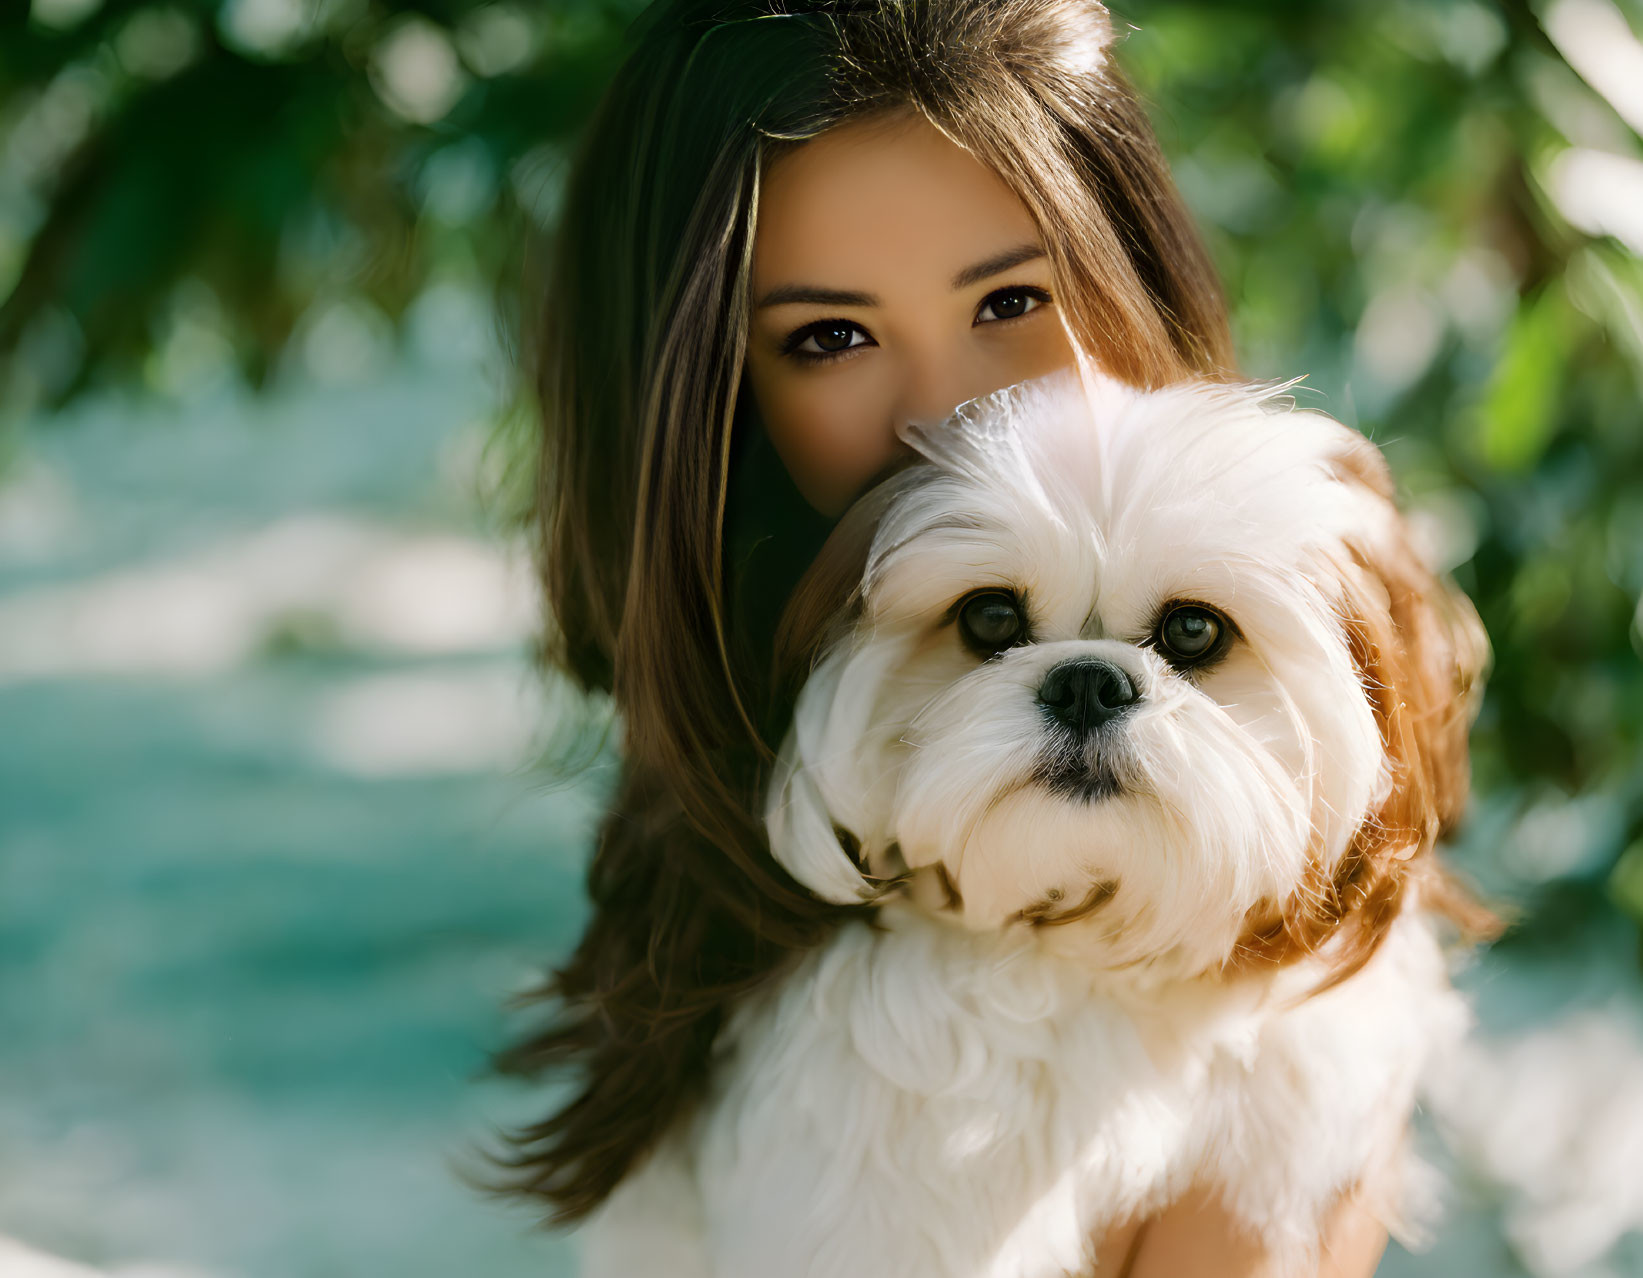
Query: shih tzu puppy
1138	725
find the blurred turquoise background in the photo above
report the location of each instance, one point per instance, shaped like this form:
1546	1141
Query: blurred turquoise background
276	838
269	858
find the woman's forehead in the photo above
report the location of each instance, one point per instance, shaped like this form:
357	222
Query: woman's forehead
880	199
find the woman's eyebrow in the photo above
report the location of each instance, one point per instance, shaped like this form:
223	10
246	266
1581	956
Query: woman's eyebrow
997	263
787	294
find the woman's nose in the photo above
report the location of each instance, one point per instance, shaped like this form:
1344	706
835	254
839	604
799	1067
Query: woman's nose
936	387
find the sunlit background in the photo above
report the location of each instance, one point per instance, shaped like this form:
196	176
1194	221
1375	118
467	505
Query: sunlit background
273	849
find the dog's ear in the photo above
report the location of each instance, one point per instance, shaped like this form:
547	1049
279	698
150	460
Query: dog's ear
1421	654
823	809
804	839
820	810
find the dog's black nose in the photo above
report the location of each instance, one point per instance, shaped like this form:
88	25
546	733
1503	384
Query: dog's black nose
1086	692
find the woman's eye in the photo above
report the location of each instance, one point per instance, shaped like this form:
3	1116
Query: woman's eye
824	340
991	622
1190	633
1012	303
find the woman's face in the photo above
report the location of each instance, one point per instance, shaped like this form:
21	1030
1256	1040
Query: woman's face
894	277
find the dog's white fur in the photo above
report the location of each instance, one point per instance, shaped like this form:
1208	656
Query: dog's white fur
955	1092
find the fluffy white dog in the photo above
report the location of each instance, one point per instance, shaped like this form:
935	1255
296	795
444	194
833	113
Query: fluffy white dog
1139	729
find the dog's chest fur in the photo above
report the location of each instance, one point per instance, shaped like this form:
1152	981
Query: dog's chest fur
920	1101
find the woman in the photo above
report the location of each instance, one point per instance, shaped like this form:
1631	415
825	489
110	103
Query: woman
792	224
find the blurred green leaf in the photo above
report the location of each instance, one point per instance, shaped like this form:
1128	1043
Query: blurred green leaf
1626	881
1520	412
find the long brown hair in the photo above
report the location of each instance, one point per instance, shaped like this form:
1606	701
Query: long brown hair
661	551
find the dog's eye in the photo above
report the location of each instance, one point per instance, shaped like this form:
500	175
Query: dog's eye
991	622
1189	634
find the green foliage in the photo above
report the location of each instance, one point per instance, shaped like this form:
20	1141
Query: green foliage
194	171
1420	203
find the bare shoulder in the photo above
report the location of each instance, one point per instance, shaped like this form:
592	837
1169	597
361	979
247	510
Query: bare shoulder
1197	1237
